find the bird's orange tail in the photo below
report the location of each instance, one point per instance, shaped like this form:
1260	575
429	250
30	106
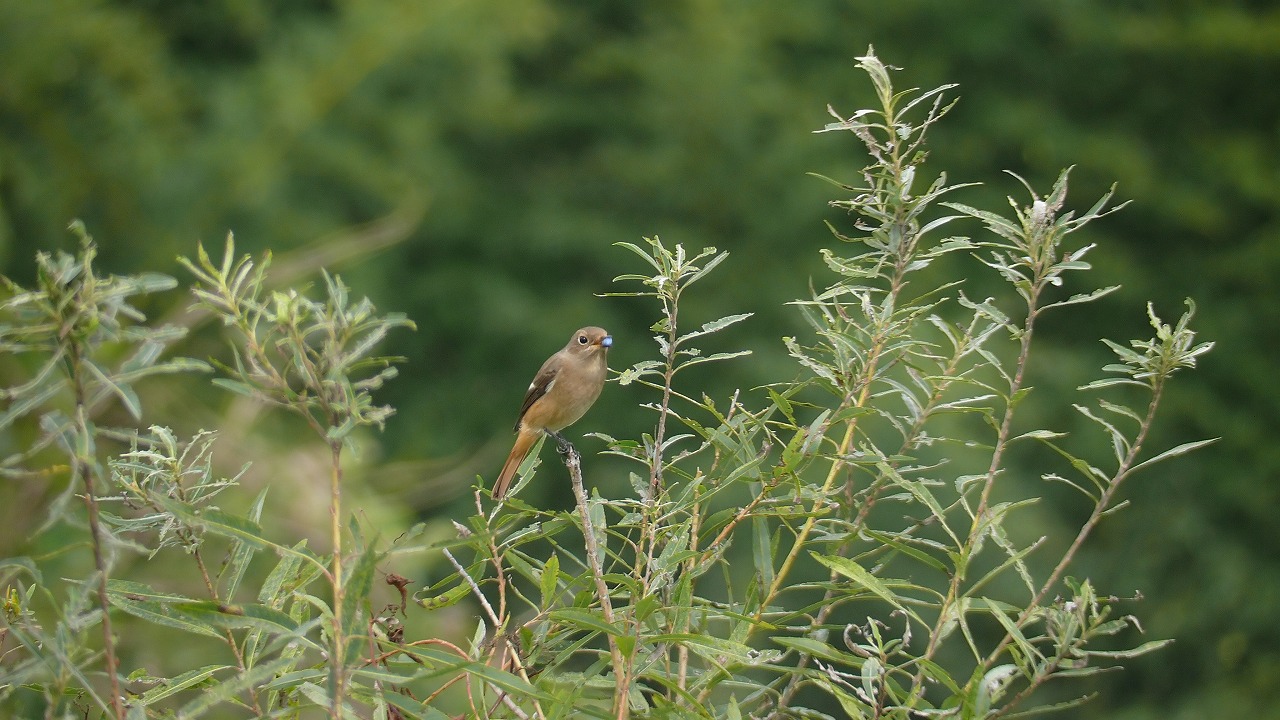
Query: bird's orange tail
524	442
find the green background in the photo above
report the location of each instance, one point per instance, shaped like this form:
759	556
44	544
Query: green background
472	162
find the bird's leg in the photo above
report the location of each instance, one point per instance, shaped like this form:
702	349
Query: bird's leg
563	446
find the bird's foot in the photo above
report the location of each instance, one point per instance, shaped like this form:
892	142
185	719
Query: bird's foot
563	446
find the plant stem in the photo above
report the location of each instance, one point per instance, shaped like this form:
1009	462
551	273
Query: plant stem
84	471
1099	509
337	659
838	462
621	706
946	378
1006	423
979	525
99	562
669	371
230	636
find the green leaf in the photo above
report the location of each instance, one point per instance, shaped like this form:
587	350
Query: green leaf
23	563
237	387
549	580
1142	649
715	649
1053	707
922	494
1182	449
585	620
29	402
762	550
246	616
817	649
443	600
714	357
177	684
242	552
859	574
852	706
446	664
358	583
413	708
126	394
220	523
162	609
288	575
989	688
296	678
640	252
906	549
1081	297
713	326
706	268
997	611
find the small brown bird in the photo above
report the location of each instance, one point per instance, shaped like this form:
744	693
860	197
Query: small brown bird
561	393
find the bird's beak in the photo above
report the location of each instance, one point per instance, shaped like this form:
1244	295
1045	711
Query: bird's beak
607	341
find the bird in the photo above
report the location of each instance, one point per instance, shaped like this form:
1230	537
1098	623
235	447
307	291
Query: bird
565	387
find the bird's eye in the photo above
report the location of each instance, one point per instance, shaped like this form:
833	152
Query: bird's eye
582	339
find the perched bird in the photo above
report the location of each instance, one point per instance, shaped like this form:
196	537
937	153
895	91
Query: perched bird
561	393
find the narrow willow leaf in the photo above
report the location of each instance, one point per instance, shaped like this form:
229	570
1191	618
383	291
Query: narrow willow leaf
28	403
23	563
443	600
859	574
1182	449
229	689
126	394
906	549
708	267
1053	707
640	252
414	708
1142	649
164	614
716	649
584	620
451	665
548	580
986	690
922	493
246	616
288	575
296	678
714	357
1081	297
358	583
235	386
762	550
817	649
177	684
713	326
242	552
997	611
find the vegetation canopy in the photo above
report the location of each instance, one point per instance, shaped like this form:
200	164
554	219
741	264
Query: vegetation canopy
837	540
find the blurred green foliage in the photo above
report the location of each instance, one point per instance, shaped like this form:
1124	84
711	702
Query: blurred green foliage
499	149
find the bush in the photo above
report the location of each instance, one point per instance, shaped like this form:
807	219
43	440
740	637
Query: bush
837	540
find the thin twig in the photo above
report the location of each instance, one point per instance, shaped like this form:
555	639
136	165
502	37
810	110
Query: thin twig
1100	508
84	471
573	462
475	589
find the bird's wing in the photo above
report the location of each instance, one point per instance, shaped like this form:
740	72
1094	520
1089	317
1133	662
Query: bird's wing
540	386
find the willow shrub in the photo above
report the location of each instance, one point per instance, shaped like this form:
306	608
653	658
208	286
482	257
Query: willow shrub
836	541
